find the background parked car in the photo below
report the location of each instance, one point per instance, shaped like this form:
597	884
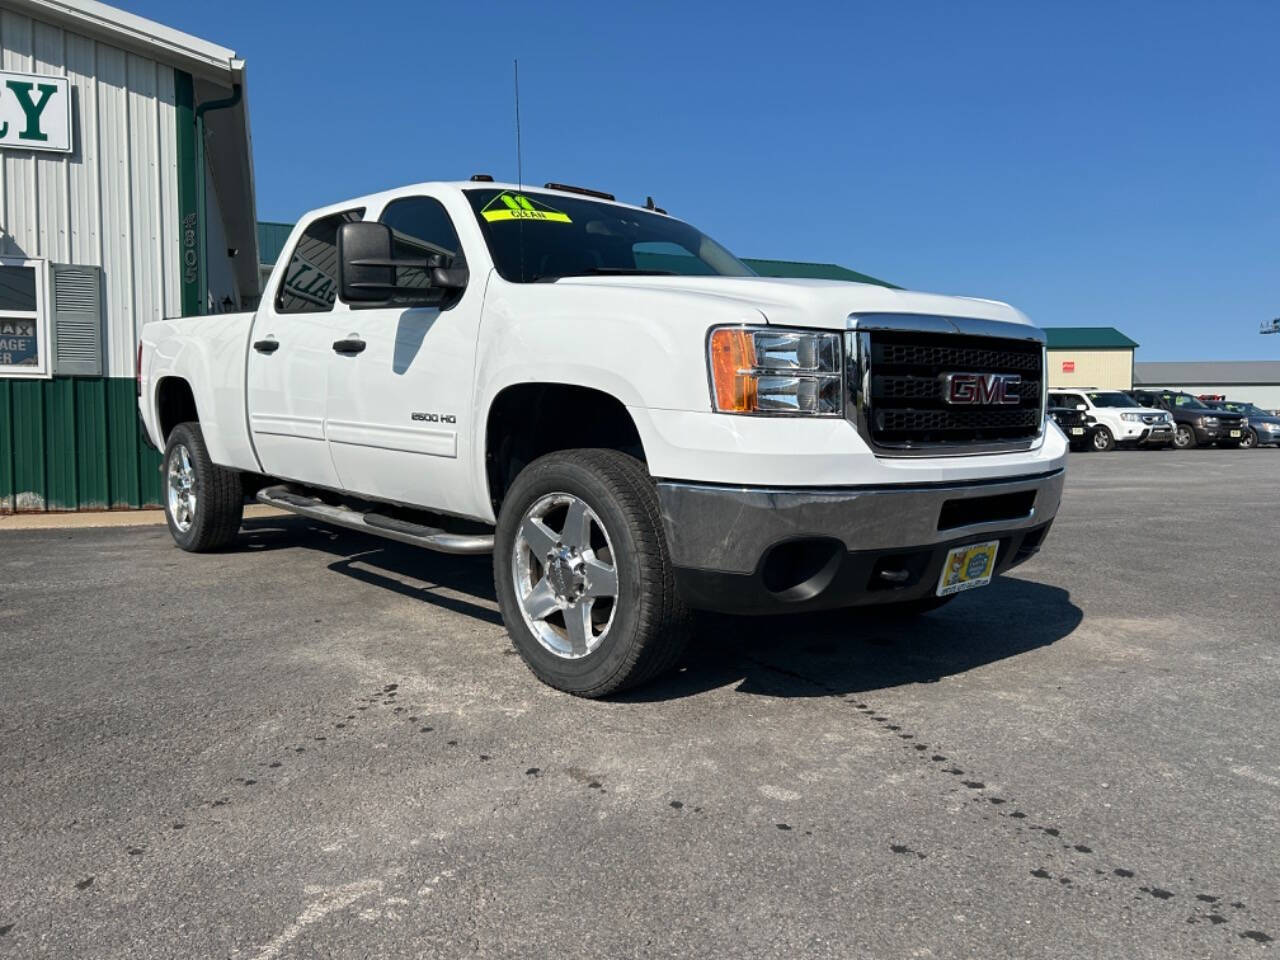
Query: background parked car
1119	418
1264	426
1196	423
1076	424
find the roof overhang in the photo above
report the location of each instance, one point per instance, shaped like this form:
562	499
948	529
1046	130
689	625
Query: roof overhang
229	157
119	28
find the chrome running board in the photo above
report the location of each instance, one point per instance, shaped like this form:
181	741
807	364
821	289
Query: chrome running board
402	531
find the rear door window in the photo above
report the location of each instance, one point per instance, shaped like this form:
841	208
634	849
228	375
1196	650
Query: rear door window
310	282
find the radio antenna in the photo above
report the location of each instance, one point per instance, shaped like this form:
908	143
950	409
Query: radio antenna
519	154
515	63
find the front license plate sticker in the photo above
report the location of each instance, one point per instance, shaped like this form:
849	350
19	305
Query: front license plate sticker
968	567
1235	433
1077	431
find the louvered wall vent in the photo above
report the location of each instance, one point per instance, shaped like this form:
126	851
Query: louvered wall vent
77	320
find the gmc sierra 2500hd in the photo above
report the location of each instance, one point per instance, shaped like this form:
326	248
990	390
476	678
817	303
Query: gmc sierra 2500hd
612	404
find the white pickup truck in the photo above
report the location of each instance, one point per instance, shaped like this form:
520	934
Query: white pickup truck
631	421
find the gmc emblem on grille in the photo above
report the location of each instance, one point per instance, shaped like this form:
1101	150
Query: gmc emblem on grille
985	389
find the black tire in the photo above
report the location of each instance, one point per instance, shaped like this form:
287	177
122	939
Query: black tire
650	625
1250	440
219	496
1184	437
1103	441
908	609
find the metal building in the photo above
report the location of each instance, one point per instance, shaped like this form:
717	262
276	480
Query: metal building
126	194
1090	357
1249	381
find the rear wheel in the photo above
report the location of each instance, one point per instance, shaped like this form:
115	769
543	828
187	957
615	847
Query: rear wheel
1103	440
204	502
582	573
1184	438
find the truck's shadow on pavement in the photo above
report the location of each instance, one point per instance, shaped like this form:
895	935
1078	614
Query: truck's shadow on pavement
803	655
853	651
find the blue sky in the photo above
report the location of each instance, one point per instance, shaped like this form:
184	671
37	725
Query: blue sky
1092	163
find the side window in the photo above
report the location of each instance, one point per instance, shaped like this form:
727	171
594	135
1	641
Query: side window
421	229
310	283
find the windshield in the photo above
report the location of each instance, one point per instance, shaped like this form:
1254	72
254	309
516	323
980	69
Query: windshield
1248	409
536	236
1187	402
1111	398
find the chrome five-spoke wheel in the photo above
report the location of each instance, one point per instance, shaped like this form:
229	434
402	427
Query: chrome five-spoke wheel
566	582
182	488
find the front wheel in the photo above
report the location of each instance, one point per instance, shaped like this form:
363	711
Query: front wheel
582	573
1249	440
1184	438
203	502
1103	441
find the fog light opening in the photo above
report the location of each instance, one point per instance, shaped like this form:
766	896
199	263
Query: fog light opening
801	569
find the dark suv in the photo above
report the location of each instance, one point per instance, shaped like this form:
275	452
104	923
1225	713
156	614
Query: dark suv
1076	424
1195	422
1264	427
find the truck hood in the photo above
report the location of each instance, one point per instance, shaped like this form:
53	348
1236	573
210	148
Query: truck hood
808	303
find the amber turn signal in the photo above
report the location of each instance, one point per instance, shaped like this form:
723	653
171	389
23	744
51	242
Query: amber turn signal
733	360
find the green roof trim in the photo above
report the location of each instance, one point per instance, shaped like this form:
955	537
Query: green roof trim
812	271
1087	338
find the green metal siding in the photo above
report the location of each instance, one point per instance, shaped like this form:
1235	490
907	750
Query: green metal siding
271	240
190	220
74	444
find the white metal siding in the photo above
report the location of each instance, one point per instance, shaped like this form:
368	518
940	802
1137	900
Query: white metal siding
113	201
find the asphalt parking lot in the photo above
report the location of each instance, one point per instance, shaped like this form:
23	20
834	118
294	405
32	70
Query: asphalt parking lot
321	745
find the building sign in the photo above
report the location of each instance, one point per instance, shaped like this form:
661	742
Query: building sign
35	112
24	327
1068	366
19	345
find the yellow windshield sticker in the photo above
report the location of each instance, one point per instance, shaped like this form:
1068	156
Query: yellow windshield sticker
516	206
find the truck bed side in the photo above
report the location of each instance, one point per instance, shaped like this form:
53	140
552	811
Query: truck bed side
208	354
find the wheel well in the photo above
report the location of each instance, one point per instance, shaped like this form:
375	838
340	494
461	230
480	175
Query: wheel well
175	404
530	420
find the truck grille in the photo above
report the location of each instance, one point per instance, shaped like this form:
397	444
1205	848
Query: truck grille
901	395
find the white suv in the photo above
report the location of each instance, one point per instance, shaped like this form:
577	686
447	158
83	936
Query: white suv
1119	418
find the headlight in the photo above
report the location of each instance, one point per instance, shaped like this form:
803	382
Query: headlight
1134	417
1209	421
775	371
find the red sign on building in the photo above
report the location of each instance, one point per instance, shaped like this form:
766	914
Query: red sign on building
1068	366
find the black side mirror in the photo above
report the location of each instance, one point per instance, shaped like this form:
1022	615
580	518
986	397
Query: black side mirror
370	274
365	272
